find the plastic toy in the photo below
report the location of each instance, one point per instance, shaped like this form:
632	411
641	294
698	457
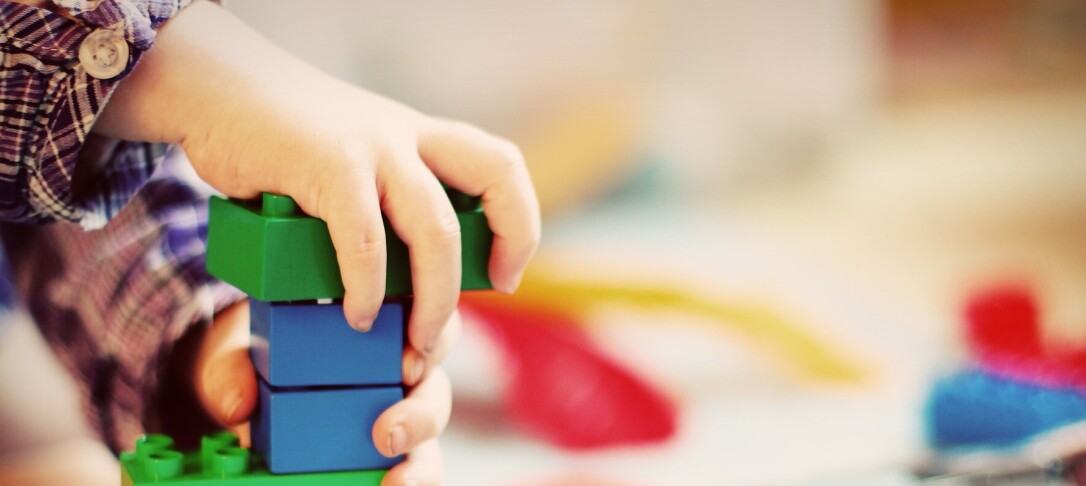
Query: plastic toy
1019	389
565	389
974	409
304	344
799	351
322	384
321	429
1004	333
272	251
219	462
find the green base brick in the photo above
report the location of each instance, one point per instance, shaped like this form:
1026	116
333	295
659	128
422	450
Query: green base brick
272	251
220	462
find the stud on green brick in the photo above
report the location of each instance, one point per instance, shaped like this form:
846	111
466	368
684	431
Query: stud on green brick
279	206
162	465
220	462
229	462
272	251
151	443
210	444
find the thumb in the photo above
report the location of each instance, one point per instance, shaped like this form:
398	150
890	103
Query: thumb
225	381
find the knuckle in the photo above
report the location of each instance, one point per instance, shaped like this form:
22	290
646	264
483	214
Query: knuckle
511	151
444	229
369	247
508	156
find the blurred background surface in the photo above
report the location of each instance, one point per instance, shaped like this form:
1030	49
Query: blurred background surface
860	167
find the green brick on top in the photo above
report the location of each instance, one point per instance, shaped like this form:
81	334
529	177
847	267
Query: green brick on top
280	206
475	241
462	202
220	462
270	254
272	251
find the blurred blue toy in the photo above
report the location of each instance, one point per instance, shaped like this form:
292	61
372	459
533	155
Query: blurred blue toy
976	410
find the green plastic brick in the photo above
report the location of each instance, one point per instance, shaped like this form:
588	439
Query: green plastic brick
220	462
272	251
462	202
475	241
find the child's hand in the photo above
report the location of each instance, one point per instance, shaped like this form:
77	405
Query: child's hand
225	383
252	118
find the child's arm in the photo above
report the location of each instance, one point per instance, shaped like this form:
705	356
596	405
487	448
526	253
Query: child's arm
252	118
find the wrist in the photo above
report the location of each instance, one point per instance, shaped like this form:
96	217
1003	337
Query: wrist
206	66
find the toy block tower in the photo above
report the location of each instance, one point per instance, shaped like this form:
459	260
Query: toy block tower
322	384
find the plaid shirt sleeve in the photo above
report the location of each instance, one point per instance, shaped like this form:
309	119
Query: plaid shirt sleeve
112	303
121	277
48	103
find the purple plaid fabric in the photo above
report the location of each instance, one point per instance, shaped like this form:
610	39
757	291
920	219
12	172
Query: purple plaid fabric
48	103
120	275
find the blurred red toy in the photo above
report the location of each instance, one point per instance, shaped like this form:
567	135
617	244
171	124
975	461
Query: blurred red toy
563	389
1004	333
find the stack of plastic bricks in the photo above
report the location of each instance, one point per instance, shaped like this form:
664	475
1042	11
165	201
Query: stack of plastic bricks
322	384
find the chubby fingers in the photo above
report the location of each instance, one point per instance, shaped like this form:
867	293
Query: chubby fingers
477	163
416	365
223	375
423	467
422	216
419	417
349	204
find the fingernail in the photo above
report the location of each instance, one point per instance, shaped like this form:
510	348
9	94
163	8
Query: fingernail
231	402
417	369
359	319
397	440
410	482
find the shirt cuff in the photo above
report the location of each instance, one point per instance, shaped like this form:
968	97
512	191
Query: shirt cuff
50	99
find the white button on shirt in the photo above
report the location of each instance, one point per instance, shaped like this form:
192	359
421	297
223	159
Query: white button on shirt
104	53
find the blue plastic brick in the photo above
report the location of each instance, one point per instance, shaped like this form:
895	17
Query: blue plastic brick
321	429
296	345
973	410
